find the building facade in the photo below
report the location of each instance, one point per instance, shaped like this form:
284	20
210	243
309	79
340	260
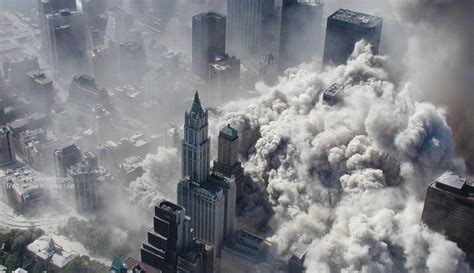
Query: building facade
195	147
344	29
301	32
208	41
209	198
67	42
227	162
86	175
253	28
170	246
448	208
7	147
224	79
50	7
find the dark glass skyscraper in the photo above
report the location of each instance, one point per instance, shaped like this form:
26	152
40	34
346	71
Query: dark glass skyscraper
301	32
208	41
449	207
50	7
344	29
67	42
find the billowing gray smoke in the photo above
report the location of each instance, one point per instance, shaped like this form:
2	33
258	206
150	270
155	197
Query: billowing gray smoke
159	180
440	60
348	180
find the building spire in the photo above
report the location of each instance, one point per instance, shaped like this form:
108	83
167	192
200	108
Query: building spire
196	108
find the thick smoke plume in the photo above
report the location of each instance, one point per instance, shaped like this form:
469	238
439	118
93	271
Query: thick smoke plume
440	60
159	180
347	181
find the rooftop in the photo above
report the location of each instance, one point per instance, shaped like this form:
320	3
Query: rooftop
229	132
456	184
47	250
334	89
170	207
248	245
353	17
24	182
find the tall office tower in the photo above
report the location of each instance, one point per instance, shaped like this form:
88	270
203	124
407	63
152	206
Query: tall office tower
224	79
208	41
196	143
209	199
344	29
253	29
49	7
102	124
42	89
449	206
7	149
132	62
245	252
301	32
86	175
67	42
170	246
227	162
205	203
65	158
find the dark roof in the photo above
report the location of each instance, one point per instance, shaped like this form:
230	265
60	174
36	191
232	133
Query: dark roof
356	18
70	149
452	180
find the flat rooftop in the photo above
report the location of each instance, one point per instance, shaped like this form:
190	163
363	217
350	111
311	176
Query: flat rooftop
357	18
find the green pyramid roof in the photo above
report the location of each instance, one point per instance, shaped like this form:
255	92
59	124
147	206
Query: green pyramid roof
196	108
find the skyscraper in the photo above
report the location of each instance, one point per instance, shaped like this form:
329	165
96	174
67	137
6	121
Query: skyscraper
227	162
209	198
224	79
344	29
86	176
65	158
253	28
196	143
50	7
170	246
208	41
301	32
7	149
448	208
67	42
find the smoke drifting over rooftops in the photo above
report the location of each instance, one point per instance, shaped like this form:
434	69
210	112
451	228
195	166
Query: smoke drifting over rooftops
440	60
347	181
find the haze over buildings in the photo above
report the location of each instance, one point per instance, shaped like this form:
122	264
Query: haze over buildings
326	136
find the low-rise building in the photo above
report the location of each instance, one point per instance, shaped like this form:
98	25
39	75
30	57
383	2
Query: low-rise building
23	187
48	252
245	252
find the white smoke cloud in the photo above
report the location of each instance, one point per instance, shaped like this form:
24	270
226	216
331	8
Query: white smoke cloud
162	174
347	180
